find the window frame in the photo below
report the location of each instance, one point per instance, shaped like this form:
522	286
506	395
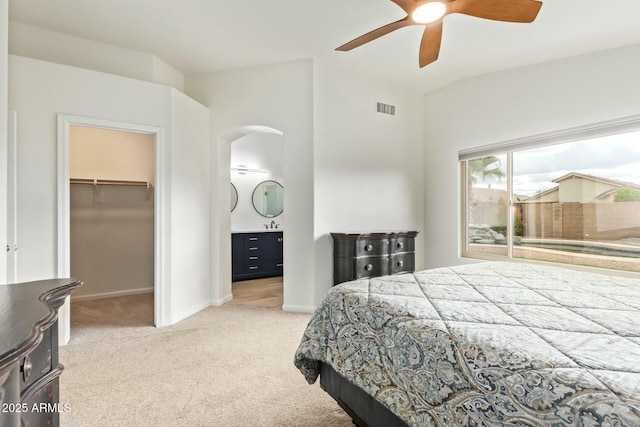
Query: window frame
595	130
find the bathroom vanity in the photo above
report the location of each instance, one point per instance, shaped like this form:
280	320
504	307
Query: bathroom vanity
256	254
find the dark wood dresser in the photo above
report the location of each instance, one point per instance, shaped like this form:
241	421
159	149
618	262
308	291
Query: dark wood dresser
29	367
372	254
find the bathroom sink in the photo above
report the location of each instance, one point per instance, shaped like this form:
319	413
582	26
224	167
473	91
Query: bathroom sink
256	229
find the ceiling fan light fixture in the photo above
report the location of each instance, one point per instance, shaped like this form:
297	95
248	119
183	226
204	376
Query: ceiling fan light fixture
429	12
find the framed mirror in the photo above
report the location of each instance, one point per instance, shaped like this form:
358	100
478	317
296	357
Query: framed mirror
267	198
234	197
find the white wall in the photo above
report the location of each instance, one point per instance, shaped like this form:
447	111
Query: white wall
39	43
279	96
262	151
367	172
368	167
513	104
190	208
38	92
4	19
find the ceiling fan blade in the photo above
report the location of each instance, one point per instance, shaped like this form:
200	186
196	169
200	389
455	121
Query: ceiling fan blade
430	44
372	35
407	5
498	10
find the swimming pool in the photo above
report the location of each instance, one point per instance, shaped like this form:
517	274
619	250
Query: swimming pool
591	248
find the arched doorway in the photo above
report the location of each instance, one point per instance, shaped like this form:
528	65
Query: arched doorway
221	259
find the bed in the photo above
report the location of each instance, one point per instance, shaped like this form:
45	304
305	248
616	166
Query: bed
495	344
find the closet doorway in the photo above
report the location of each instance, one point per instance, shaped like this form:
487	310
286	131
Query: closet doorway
111	218
109	221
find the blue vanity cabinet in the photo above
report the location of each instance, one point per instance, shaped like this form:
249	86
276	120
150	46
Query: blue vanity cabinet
236	255
256	255
273	253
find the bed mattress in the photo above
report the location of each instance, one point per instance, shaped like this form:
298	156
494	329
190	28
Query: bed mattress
494	343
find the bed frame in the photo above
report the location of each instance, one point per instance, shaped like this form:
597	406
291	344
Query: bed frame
363	409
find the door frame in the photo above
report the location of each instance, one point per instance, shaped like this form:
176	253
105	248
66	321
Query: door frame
65	121
12	202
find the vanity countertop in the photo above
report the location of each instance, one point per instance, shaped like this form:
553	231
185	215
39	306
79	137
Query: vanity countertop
255	230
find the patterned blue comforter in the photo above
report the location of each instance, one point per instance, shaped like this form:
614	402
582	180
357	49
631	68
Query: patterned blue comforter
501	344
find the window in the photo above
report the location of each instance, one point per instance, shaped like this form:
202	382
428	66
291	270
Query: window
575	202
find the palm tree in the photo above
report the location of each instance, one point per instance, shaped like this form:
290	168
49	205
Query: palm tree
481	168
484	167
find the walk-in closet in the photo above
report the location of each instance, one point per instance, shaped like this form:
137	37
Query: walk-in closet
112	221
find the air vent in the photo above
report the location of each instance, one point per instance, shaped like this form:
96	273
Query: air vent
386	109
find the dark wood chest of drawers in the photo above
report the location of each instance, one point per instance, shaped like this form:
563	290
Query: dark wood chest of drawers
372	254
29	367
256	255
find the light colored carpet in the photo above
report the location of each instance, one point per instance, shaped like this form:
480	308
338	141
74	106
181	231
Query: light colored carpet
225	366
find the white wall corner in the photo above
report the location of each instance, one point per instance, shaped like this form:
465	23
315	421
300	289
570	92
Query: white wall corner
165	74
188	312
39	43
221	301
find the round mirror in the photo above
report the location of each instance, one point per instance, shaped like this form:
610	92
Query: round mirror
267	198
234	197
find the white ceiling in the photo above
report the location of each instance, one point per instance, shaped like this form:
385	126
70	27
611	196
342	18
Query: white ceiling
197	36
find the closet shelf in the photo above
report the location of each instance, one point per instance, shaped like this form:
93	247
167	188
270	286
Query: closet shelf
86	181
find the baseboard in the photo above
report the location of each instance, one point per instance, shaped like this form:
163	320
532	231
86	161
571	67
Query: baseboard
111	294
221	301
298	309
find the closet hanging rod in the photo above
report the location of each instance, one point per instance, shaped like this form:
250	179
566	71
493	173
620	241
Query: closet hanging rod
85	181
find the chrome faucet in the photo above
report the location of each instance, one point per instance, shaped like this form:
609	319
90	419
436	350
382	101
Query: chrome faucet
273	223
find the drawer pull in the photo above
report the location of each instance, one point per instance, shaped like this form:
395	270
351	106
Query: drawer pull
253	238
400	245
368	248
253	248
253	268
279	265
27	366
400	263
253	257
368	267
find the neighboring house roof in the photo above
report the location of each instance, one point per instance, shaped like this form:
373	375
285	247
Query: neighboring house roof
538	196
610	181
573	175
606	194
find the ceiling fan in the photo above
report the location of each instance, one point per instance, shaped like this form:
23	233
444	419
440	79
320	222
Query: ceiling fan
432	12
